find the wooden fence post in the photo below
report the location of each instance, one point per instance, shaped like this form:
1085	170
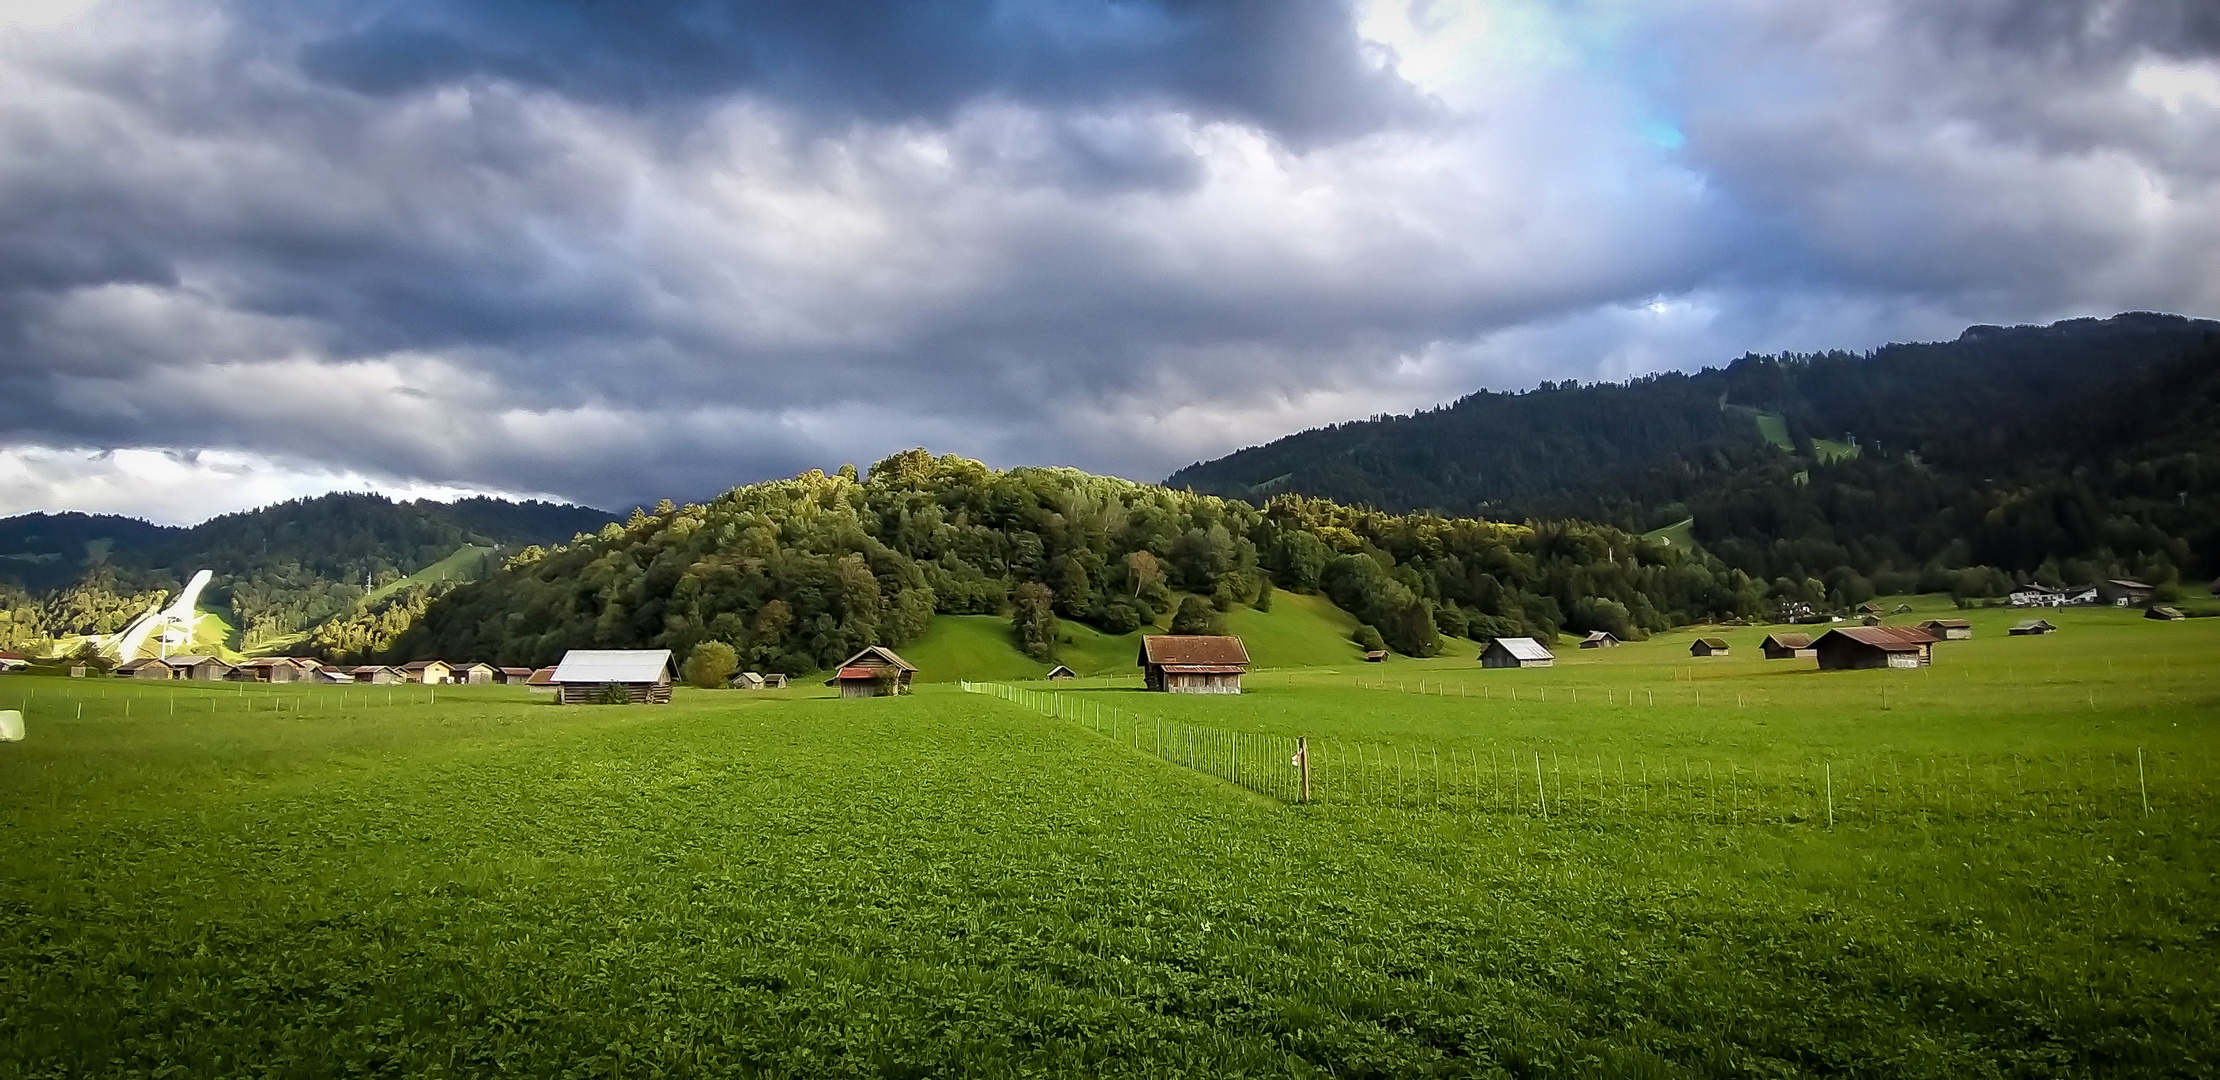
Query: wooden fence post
1302	764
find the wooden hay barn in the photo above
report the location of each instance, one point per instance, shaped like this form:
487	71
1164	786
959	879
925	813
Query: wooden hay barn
1787	647
2032	628
476	673
746	680
1376	656
1948	629
1193	663
512	676
1516	652
874	672
541	681
774	680
1599	639
270	669
2161	611
1854	648
1059	673
1709	646
332	676
197	666
148	668
379	675
592	676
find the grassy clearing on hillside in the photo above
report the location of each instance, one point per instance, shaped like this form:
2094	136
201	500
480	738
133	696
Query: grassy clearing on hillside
1681	534
354	880
1299	631
463	564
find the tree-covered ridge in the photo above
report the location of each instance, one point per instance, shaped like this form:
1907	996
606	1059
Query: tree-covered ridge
2067	454
280	568
795	575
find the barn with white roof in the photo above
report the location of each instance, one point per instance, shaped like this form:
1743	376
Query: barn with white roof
603	676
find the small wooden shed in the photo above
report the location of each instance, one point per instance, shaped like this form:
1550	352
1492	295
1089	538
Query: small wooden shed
198	666
476	673
1376	656
1787	647
270	669
1599	639
379	675
1193	663
1059	673
2032	628
746	680
594	676
2161	611
1857	647
512	676
774	680
146	668
1948	629
332	676
874	672
1516	652
1709	646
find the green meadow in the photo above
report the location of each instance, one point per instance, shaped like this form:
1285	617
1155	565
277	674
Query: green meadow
1633	863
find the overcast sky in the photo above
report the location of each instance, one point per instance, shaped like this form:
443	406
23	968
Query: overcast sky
609	252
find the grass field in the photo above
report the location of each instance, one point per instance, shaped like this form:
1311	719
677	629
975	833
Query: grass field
358	881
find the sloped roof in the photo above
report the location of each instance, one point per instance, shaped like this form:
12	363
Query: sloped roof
1601	635
269	661
1948	624
419	665
1061	670
1885	638
1712	642
1181	650
543	677
372	669
2128	583
2030	624
145	661
598	666
524	671
1789	641
884	654
1523	648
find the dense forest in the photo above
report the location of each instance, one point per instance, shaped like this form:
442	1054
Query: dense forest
2067	453
279	569
795	575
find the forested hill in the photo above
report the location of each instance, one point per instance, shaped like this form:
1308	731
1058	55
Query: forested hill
796	575
279	568
2061	452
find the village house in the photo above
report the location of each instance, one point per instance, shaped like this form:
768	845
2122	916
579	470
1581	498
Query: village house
1948	629
596	676
874	672
1708	646
2031	627
1060	673
1599	639
475	674
1857	647
428	672
1516	652
2036	596
1787	647
1193	663
379	675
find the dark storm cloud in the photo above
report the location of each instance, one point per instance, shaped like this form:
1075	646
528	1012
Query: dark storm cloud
614	253
1294	66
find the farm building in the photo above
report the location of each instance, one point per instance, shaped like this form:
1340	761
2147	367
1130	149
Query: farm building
1516	652
2126	592
1193	663
332	676
1855	647
197	666
148	668
270	669
541	681
428	672
746	680
475	673
379	675
2031	628
594	676
1599	639
2161	611
1869	608
874	672
1948	629
1787	647
774	680
1709	646
1059	673
512	676
13	661
1376	656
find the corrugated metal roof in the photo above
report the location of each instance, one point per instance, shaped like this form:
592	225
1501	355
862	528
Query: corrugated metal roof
1525	648
598	666
1885	638
1221	649
881	652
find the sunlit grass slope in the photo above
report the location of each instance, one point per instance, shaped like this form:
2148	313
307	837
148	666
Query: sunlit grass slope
1299	631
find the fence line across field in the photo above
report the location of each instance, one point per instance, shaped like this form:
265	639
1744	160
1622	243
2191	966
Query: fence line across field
1554	783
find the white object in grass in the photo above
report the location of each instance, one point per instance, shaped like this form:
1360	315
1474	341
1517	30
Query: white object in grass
11	726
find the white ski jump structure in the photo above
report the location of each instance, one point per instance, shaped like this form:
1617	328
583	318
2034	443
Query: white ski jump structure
168	626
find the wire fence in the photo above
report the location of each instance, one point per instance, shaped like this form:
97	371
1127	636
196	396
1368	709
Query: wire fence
1270	765
1553	782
